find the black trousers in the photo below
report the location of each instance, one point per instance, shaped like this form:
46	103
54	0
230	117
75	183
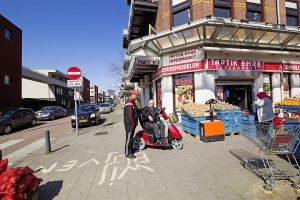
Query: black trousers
129	139
158	129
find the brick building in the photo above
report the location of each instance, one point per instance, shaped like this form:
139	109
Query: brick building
94	94
85	90
224	49
10	64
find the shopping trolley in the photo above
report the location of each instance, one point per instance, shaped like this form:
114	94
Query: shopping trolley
281	140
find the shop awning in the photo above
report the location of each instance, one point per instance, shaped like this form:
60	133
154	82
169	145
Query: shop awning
142	65
215	31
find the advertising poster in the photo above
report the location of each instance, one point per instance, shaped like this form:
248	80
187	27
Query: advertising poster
286	87
220	92
184	90
267	84
158	94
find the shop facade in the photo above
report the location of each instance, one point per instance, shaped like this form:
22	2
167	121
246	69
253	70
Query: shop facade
219	58
232	77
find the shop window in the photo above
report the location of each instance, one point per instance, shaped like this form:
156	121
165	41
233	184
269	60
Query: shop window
158	94
181	13
8	34
267	84
291	17
184	90
286	85
254	12
222	8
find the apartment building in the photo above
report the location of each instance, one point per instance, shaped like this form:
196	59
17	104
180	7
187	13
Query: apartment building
44	87
10	64
94	94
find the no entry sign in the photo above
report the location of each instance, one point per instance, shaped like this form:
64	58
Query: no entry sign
74	73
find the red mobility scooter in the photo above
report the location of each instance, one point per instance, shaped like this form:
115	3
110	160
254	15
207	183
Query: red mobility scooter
146	137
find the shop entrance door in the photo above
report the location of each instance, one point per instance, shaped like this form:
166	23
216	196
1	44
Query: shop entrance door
239	94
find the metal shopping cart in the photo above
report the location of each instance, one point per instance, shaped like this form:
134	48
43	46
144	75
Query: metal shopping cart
281	140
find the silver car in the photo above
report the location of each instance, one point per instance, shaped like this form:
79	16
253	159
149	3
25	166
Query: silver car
105	107
51	113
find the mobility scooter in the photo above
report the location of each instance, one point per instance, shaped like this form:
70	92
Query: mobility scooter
146	137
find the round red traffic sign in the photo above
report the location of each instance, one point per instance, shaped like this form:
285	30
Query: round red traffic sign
74	73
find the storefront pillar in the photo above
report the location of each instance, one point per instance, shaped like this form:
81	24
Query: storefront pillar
167	93
154	93
204	86
147	95
258	85
276	87
142	91
295	84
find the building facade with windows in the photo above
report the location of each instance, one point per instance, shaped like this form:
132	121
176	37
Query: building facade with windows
94	94
224	49
10	64
45	87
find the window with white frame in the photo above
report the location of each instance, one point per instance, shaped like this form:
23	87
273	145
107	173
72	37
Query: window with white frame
181	12
253	11
291	13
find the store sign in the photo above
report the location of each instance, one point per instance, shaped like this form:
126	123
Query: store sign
271	66
179	68
182	57
291	67
224	64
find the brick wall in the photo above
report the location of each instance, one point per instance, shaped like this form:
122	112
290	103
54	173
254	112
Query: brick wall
269	11
282	12
239	9
11	65
163	21
202	8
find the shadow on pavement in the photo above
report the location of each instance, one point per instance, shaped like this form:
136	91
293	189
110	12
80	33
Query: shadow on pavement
50	190
60	148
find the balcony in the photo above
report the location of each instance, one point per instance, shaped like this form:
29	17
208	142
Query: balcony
142	13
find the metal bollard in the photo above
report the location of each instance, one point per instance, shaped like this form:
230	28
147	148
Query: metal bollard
47	142
0	154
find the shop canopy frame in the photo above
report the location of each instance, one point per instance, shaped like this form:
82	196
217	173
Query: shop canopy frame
215	31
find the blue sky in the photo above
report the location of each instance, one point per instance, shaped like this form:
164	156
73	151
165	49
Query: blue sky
63	33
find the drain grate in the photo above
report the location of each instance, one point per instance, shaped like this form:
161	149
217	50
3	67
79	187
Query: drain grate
101	133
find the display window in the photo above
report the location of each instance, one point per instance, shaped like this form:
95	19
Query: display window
184	90
158	94
286	85
267	84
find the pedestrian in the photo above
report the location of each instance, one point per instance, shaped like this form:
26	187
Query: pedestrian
264	107
130	122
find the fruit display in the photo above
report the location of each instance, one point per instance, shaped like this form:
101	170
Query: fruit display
16	183
297	96
289	102
200	109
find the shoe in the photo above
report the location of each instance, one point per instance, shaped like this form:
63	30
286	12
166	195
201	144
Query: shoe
131	156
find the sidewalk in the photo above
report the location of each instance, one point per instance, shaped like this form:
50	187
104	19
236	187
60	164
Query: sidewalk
92	166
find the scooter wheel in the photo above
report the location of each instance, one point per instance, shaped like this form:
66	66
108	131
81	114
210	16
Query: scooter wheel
139	143
177	144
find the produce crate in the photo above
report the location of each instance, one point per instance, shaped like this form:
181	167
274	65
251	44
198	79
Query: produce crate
228	128
250	118
236	128
291	109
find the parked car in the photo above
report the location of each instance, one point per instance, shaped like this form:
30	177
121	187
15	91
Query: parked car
88	114
13	118
105	107
111	105
51	112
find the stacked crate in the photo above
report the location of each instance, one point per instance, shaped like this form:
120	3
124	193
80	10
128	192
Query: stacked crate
232	120
248	126
191	124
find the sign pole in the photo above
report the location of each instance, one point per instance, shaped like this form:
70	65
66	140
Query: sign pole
76	121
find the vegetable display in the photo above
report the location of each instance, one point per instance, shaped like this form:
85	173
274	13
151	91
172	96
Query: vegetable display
290	101
16	183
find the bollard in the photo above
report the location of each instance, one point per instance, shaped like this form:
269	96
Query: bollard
47	142
0	154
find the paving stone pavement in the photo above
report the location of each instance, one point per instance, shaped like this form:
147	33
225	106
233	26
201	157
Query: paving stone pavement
92	166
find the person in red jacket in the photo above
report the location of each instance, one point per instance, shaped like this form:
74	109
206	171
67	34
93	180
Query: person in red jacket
130	122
